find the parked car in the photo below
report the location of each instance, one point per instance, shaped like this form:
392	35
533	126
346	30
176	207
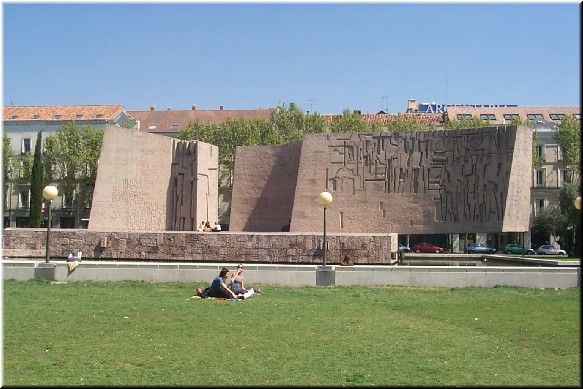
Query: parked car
547	249
404	249
472	248
426	247
514	248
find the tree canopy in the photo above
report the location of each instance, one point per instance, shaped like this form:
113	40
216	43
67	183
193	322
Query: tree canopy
71	156
568	137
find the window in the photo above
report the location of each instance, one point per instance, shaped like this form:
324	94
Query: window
56	116
567	175
99	116
577	116
24	199
540	177
78	116
535	117
540	152
174	127
511	116
464	116
557	116
488	116
14	117
538	205
89	195
25	148
35	116
152	127
68	200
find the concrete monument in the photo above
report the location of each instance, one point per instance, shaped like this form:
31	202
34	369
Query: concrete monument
428	182
148	182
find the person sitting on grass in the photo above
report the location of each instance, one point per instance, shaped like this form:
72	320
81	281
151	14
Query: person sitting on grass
237	284
218	287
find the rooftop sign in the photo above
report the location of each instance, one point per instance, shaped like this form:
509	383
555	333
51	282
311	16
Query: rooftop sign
440	108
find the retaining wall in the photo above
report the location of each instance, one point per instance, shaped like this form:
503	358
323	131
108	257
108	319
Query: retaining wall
300	275
181	246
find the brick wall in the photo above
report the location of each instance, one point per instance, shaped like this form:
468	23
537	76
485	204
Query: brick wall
291	248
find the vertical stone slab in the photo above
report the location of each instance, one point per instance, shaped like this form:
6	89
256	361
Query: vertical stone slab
131	188
193	192
517	207
148	182
264	187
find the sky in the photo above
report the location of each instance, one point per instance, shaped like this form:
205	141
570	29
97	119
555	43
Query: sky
324	57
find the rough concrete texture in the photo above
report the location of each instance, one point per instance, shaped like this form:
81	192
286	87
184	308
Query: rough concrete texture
473	180
264	187
144	179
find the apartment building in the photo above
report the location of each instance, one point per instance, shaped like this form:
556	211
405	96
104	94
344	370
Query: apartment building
546	179
21	124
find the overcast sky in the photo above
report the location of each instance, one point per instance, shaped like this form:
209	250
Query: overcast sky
325	57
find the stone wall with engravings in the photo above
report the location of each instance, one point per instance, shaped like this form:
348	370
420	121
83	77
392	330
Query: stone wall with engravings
442	181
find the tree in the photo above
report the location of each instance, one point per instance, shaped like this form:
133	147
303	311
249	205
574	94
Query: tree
71	156
348	122
197	130
233	133
36	184
404	124
568	137
129	125
289	122
572	227
474	122
548	221
8	158
8	165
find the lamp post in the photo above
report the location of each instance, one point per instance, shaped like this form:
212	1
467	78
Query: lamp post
325	200
577	203
49	193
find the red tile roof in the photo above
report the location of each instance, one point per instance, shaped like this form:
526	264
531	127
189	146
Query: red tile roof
62	112
175	120
452	112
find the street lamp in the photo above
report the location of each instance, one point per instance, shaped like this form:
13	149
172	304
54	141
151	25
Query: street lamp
49	193
577	203
325	200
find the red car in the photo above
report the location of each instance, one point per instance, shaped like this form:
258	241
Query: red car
426	247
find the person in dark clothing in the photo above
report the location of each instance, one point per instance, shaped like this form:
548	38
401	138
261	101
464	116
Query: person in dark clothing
218	287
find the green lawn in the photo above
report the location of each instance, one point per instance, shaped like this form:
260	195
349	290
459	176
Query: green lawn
155	334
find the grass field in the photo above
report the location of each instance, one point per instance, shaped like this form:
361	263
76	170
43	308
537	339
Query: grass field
155	334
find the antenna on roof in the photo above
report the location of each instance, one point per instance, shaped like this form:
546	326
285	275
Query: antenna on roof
445	101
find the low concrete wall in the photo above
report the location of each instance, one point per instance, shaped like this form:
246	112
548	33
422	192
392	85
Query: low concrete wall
301	275
181	246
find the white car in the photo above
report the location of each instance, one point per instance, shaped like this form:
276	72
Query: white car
547	249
